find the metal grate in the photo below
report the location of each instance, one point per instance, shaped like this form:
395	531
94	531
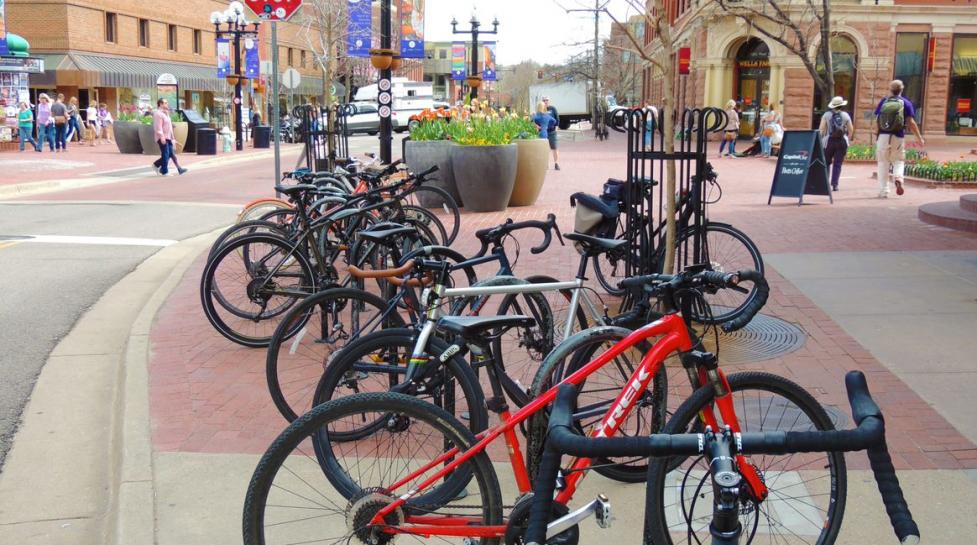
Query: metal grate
764	338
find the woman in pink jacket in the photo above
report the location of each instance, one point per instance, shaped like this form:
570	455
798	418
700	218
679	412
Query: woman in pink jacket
163	129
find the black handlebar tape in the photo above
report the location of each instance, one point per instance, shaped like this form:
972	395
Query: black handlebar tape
717	278
641	281
428	172
547	238
751	310
859	397
895	503
542	506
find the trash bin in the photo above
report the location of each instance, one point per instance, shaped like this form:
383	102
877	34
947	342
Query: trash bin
195	122
261	136
206	141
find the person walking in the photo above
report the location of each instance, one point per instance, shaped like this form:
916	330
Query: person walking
59	113
92	123
45	122
769	125
836	131
731	131
25	125
105	120
551	135
893	114
651	121
74	128
163	131
543	120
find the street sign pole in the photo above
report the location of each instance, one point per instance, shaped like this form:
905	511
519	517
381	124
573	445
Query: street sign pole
275	122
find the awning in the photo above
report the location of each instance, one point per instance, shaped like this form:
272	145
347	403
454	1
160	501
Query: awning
107	71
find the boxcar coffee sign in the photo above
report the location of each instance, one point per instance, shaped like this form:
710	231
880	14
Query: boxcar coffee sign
801	169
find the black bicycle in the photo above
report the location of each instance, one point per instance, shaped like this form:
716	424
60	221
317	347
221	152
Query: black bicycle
735	509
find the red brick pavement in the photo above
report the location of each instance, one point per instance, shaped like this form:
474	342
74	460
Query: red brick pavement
209	395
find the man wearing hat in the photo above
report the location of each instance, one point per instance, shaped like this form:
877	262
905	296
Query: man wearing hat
836	131
551	135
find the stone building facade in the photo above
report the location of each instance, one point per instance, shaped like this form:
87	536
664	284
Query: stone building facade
930	44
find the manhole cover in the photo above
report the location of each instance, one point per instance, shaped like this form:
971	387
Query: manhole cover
764	338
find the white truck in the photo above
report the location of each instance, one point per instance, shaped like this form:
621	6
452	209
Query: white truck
570	98
409	98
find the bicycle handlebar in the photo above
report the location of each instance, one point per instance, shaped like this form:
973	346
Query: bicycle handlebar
494	235
869	434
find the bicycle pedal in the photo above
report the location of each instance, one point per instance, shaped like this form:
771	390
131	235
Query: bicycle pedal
602	510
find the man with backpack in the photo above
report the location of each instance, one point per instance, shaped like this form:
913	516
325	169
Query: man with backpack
893	114
837	130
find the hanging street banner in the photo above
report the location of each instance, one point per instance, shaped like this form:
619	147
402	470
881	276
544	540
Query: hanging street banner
488	64
223	57
359	29
252	63
458	61
412	29
684	60
3	30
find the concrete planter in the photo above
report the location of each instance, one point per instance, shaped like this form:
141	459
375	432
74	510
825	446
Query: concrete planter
147	136
180	131
127	136
421	156
485	175
531	165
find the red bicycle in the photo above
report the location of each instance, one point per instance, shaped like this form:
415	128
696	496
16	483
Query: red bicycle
414	472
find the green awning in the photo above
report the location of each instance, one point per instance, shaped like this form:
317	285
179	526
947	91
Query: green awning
108	71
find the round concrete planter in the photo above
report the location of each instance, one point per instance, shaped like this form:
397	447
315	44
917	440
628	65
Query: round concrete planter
180	131
533	159
485	175
127	136
421	156
147	136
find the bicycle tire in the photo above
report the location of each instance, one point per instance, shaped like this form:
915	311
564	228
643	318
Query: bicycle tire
305	277
728	303
656	513
255	209
244	228
571	355
304	357
449	206
342	373
424	217
616	260
265	489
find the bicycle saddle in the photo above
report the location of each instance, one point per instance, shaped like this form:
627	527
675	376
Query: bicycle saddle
471	327
295	190
606	209
593	244
385	231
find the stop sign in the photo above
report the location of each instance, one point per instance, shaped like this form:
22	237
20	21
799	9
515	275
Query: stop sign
274	10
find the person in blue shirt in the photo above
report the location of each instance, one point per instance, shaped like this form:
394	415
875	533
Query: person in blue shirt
545	122
893	114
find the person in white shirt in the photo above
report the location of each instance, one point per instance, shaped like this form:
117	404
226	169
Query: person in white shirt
92	123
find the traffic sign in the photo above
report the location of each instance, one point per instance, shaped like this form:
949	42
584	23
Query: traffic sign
291	78
274	10
384	111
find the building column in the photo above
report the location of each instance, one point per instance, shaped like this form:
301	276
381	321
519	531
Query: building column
938	85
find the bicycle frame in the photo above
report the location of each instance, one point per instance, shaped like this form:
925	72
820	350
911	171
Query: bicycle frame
675	337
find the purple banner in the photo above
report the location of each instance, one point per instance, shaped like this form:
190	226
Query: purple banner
3	29
488	62
223	58
458	61
252	63
359	29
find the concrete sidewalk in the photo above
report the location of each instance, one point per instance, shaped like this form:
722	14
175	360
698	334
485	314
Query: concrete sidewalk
168	458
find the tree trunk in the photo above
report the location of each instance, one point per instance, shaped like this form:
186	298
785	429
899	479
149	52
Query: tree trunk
668	137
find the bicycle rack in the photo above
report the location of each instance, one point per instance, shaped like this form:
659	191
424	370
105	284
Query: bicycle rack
647	161
316	153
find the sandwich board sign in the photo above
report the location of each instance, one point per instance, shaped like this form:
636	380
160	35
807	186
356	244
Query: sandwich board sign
801	167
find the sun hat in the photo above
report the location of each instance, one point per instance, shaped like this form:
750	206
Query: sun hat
837	102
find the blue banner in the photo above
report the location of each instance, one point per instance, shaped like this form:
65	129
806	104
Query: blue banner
458	61
252	63
3	30
412	29
359	29
488	62
223	57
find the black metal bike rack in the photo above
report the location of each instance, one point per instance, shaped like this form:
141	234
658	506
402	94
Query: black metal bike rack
647	170
316	152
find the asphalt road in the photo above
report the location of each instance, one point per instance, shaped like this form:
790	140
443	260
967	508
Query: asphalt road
47	282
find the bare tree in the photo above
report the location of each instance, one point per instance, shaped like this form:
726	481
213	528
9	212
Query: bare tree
658	54
324	28
516	82
796	25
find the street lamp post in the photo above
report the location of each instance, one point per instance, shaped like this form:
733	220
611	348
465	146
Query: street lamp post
237	28
474	32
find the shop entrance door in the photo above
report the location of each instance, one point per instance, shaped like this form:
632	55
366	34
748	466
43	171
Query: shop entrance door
752	90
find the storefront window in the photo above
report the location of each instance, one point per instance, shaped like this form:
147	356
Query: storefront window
752	83
844	62
962	109
910	68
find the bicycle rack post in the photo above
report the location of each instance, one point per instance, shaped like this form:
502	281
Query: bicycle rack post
314	136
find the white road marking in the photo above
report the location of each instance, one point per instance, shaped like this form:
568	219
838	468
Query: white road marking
105	241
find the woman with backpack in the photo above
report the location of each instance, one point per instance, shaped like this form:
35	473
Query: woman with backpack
893	114
837	130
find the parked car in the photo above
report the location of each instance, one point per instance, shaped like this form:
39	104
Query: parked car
364	117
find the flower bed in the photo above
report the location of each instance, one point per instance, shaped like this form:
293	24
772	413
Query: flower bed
947	171
866	153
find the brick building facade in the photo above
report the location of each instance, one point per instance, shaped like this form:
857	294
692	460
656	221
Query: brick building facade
933	50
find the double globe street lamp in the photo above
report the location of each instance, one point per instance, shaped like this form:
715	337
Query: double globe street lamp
237	27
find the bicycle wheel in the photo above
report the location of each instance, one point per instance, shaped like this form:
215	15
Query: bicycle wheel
446	208
378	363
307	488
330	320
255	209
610	268
806	499
250	283
416	215
249	227
726	249
600	389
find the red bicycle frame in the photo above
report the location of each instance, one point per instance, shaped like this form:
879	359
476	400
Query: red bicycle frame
675	337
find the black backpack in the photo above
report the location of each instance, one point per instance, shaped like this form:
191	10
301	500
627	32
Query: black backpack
837	128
